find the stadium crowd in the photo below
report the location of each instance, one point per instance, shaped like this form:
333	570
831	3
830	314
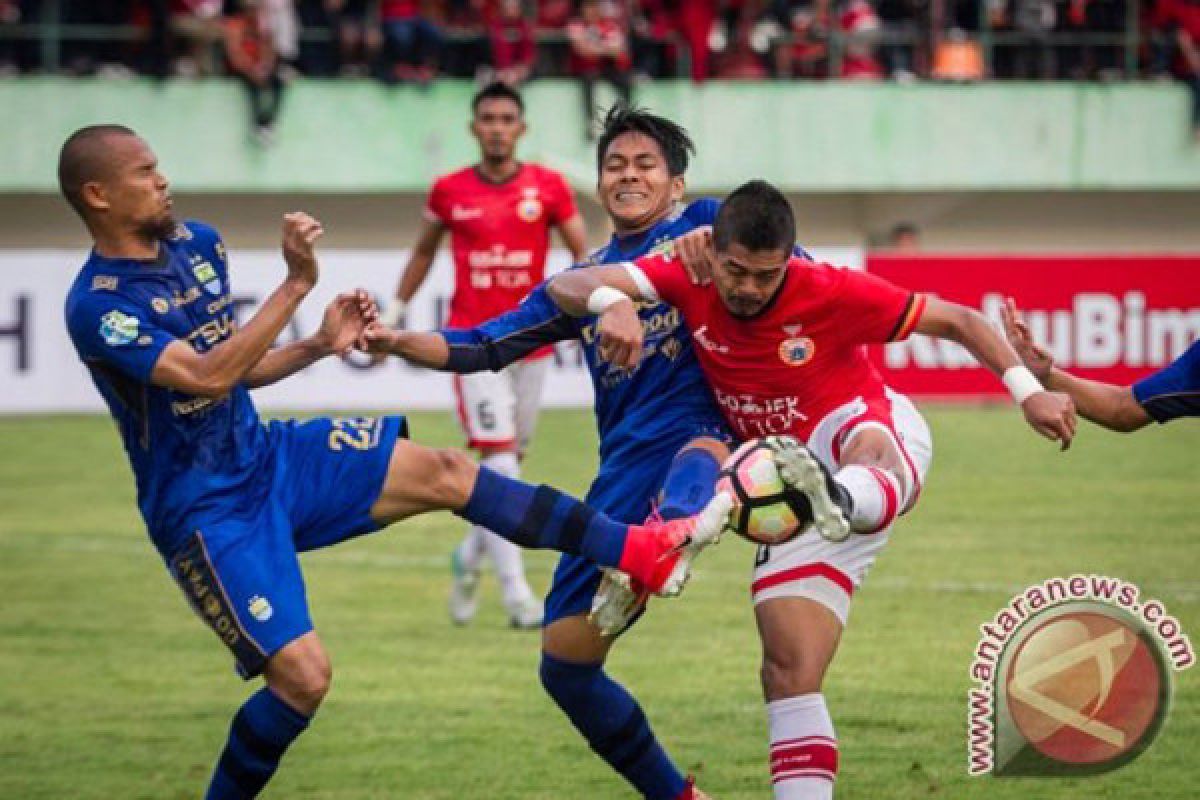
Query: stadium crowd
419	40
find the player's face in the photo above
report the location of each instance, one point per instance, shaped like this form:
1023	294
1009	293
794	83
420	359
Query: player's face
747	279
497	126
636	188
137	195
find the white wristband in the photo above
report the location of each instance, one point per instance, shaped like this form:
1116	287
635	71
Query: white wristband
1020	383
599	300
392	315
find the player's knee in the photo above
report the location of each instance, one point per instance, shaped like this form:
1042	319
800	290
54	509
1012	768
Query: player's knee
453	477
565	681
303	682
787	673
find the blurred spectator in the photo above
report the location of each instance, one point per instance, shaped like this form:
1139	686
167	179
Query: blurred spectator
1179	23
10	17
904	237
553	15
651	28
957	58
250	50
859	25
89	55
412	43
902	22
196	30
513	48
1031	56
285	30
600	50
805	52
695	24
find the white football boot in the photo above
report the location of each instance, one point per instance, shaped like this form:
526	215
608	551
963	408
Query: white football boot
802	471
464	591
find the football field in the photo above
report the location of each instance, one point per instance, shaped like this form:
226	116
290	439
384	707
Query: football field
110	688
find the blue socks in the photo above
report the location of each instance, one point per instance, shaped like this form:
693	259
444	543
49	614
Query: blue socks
543	518
261	731
613	724
689	483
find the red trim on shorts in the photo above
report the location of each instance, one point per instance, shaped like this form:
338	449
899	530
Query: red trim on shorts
873	414
818	569
891	500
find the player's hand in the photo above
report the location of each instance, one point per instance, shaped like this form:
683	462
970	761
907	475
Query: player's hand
379	340
1052	414
619	335
300	234
1036	358
345	320
696	254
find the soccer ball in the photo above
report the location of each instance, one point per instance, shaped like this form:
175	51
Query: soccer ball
765	511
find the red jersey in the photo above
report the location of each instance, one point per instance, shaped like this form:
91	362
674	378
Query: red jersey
782	370
499	234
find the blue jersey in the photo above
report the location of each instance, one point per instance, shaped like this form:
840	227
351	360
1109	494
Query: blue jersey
190	455
1173	391
663	401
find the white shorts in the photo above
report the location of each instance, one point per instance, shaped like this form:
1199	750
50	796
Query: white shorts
499	409
829	572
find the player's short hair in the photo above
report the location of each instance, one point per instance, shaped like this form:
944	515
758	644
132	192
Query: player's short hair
84	158
672	139
758	217
497	90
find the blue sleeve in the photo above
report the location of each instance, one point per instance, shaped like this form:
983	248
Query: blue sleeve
113	329
1173	391
509	337
702	211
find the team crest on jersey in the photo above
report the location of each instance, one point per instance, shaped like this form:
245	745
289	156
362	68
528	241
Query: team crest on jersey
260	608
118	329
797	351
529	208
664	248
207	275
160	304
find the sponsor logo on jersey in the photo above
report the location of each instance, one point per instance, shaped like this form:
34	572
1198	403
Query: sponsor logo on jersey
118	329
260	608
213	331
671	348
160	304
192	294
182	408
797	351
206	274
701	336
219	247
107	283
460	213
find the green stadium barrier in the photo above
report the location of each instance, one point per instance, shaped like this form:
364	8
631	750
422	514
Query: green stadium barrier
358	136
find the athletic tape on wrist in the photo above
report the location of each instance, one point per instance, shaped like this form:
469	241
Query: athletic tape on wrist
1021	383
599	300
392	315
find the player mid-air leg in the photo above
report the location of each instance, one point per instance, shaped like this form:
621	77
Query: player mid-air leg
575	647
861	467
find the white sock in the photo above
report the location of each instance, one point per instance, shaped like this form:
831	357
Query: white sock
877	497
470	549
506	556
804	757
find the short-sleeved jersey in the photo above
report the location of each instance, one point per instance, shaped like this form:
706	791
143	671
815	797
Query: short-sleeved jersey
664	398
1173	391
190	455
801	356
499	234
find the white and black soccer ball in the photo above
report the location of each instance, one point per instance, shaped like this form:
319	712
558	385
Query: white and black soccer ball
765	510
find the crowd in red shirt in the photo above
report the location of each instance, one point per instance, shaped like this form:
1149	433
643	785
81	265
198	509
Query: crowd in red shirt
618	40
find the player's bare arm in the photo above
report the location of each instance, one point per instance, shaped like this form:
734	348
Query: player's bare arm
610	292
214	373
574	236
695	251
1052	414
342	326
1108	405
422	348
416	270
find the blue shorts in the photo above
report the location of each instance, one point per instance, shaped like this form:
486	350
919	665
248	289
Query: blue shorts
239	569
620	491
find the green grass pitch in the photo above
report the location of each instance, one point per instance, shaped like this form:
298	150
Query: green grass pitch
110	688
